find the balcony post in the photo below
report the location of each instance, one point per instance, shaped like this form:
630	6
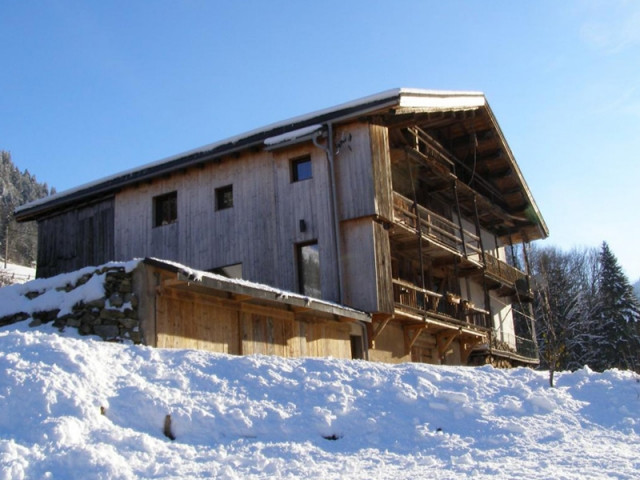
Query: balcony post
478	231
464	242
487	298
418	220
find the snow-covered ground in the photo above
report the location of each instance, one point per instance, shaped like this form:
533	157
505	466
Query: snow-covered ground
75	407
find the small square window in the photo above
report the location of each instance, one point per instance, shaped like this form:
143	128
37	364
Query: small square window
301	169
165	209
224	197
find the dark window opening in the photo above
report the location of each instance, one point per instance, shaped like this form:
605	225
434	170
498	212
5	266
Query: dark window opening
301	169
165	209
357	348
309	269
224	197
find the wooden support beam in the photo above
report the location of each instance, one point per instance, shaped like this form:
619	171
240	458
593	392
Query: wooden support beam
467	348
298	309
377	325
174	282
444	340
239	297
411	334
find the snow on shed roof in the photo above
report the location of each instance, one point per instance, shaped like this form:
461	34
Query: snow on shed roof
432	100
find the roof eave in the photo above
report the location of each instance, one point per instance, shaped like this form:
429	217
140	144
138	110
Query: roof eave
109	185
539	222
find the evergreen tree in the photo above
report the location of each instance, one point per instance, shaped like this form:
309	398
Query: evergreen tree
619	315
17	188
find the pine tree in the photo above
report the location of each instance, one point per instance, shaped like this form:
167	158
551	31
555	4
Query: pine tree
619	316
17	188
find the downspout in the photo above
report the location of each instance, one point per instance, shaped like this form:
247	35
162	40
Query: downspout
365	340
329	150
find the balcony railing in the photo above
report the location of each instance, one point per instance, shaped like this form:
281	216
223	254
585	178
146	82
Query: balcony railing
450	236
506	273
510	343
446	307
435	227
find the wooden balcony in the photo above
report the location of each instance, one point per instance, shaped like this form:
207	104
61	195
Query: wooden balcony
442	238
515	347
445	308
437	231
508	279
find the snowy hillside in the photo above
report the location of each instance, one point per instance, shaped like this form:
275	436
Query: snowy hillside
13	274
75	407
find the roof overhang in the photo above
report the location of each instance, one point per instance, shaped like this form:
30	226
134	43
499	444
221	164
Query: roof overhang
395	105
464	127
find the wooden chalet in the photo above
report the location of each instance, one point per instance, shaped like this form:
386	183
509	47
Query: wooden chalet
406	205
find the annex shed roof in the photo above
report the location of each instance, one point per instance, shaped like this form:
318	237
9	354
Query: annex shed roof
197	280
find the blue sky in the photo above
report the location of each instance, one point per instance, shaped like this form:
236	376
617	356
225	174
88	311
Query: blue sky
92	88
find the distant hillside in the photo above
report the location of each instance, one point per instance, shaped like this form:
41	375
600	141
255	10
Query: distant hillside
17	188
636	288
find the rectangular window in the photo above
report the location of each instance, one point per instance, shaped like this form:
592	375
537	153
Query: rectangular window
224	197
301	168
357	347
309	269
165	209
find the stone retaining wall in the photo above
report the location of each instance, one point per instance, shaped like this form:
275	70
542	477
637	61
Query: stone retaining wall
113	317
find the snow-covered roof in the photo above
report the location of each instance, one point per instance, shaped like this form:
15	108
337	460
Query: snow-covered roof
257	290
427	100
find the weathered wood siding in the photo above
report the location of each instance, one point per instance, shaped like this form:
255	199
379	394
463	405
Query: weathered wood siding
76	238
363	172
381	162
308	201
390	346
260	231
190	320
367	266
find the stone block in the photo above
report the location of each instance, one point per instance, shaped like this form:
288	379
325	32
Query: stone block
98	303
128	322
106	331
111	314
46	316
116	300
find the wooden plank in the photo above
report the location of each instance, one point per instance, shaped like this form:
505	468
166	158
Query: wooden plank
411	334
466	347
228	304
76	238
381	171
355	172
379	327
443	341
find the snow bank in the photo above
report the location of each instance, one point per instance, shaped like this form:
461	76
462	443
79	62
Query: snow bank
51	291
76	407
